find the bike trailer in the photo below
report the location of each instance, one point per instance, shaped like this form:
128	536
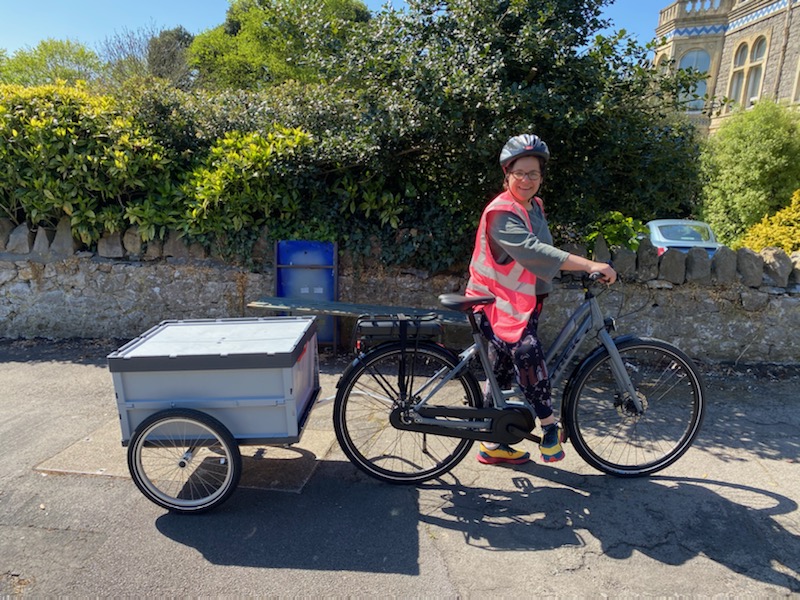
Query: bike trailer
258	376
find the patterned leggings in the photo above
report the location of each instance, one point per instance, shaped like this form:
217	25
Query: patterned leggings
523	361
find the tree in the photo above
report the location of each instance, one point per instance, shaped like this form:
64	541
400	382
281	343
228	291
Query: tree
444	84
265	42
125	54
166	56
49	62
751	168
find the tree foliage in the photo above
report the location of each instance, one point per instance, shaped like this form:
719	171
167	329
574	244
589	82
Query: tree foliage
125	55
132	55
443	85
49	62
751	168
781	230
265	42
167	56
402	117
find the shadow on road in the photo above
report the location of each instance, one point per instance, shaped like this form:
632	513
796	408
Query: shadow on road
340	522
78	351
671	520
363	525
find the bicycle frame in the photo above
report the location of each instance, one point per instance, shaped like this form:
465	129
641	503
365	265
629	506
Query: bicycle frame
587	318
439	410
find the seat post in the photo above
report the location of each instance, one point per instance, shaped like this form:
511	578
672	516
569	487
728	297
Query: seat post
473	321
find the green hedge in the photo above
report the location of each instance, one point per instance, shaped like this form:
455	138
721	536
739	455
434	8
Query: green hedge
65	151
299	162
218	169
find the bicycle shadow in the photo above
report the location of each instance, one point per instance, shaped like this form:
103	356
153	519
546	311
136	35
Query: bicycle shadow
669	519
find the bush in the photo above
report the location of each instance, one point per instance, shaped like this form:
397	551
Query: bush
190	122
64	151
242	184
751	168
617	230
781	230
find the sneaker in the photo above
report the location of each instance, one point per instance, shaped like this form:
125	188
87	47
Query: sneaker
550	446
502	454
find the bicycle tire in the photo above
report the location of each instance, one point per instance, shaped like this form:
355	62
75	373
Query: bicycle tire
600	420
366	396
184	460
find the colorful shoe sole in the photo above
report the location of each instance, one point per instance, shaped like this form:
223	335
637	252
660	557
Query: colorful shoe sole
491	460
553	458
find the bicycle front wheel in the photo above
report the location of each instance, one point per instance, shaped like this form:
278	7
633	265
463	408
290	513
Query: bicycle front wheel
368	393
184	460
604	425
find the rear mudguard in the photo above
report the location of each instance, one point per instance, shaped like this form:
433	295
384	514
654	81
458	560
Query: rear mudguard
363	355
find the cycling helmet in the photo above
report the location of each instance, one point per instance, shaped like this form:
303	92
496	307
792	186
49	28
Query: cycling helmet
523	145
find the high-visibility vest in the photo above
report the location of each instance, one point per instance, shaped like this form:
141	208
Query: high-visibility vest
513	286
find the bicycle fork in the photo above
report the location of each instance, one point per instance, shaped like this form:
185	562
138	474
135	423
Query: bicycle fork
625	386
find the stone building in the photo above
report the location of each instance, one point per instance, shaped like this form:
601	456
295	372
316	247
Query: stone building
750	50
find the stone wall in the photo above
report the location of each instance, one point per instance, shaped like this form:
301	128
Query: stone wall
740	306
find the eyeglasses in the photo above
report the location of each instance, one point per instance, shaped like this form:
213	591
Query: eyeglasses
531	175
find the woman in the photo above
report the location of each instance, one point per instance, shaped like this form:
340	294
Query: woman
514	260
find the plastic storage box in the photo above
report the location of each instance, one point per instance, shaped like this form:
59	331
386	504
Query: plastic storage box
258	376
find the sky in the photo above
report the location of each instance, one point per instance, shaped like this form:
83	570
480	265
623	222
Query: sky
24	23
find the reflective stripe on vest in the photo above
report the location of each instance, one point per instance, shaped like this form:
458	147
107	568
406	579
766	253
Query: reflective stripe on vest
513	286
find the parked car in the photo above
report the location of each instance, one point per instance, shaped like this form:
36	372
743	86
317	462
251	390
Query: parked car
682	234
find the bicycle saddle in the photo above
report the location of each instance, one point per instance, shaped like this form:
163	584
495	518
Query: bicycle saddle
464	303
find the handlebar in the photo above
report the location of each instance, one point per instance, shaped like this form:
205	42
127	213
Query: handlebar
596	276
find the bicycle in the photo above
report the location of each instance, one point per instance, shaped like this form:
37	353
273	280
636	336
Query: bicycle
408	410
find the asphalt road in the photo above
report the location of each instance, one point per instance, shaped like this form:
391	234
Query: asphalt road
723	520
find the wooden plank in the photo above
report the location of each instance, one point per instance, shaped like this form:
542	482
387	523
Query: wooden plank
347	309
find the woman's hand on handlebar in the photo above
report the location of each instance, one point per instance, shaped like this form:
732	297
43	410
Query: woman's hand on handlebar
602	272
607	274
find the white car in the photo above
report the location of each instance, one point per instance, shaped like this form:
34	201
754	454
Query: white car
682	234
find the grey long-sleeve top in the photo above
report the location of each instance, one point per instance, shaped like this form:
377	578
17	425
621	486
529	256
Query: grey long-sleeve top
510	239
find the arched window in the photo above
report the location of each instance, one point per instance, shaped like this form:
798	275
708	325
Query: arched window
697	60
747	73
759	50
737	76
740	59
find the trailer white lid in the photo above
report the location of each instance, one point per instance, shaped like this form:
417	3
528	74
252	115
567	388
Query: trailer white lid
275	337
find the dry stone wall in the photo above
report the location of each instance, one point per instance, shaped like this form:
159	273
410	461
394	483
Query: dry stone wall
740	306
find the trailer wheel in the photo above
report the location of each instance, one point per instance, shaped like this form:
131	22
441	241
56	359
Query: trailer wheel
184	460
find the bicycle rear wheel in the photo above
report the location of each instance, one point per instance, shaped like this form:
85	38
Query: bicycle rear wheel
184	460
370	390
602	421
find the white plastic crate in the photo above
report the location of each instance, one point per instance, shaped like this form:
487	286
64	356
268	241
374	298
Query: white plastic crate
258	376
